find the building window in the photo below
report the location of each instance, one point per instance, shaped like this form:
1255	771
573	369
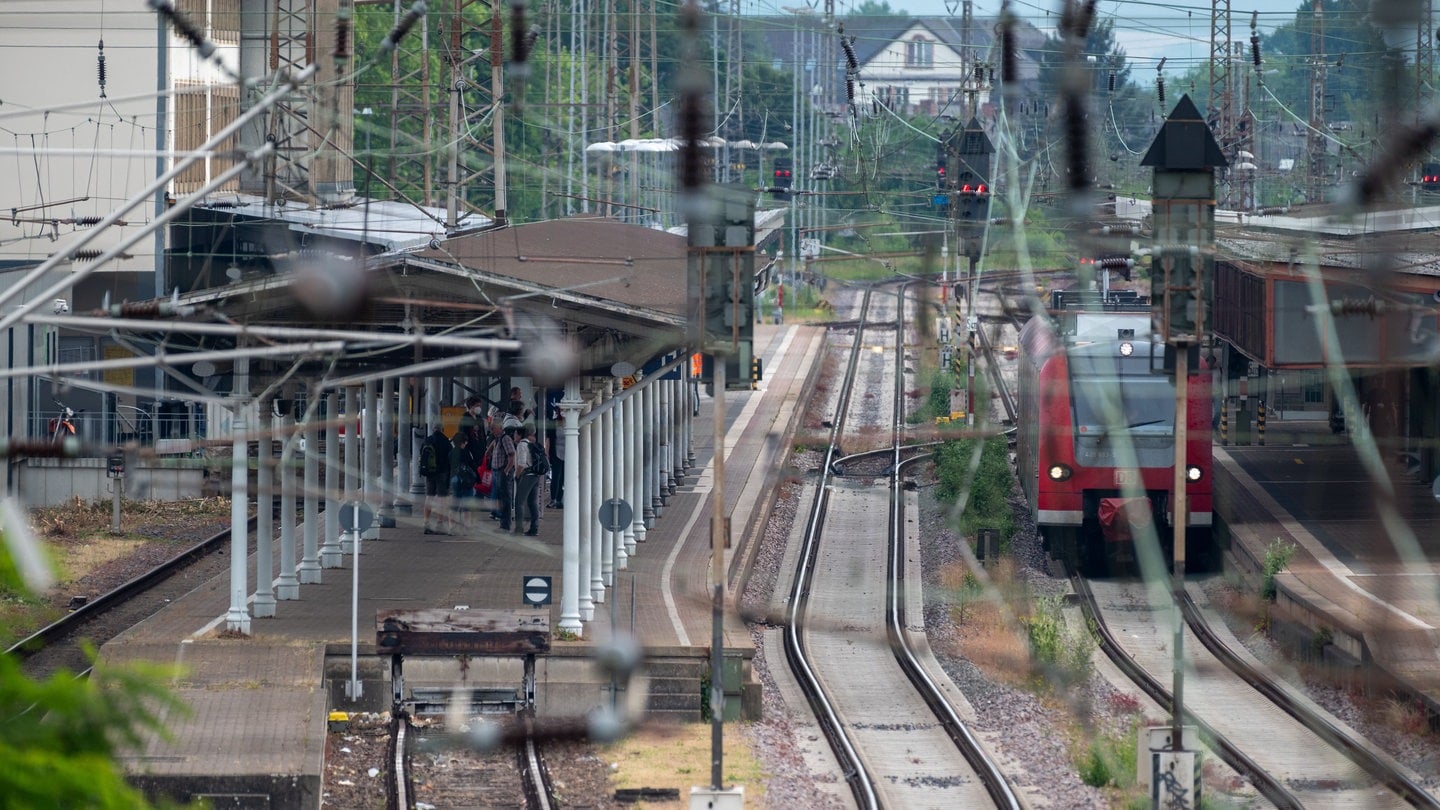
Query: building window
895	98
919	53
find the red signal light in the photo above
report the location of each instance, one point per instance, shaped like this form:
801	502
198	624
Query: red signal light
965	189
980	189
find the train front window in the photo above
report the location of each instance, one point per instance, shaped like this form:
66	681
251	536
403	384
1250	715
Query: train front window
1137	406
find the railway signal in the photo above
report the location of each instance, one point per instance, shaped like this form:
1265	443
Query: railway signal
1184	156
971	185
784	177
1430	178
720	289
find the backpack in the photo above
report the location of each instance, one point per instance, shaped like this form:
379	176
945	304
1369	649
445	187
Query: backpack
539	461
429	462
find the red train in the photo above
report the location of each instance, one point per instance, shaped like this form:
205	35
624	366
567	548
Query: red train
1095	444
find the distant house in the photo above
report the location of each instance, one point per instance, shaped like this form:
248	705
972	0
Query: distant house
929	66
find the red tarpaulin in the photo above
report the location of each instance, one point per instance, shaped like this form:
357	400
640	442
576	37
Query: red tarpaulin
1120	518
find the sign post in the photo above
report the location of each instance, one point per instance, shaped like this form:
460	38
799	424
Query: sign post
355	518
115	468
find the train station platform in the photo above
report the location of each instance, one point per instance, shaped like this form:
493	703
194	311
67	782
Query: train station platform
1361	588
258	704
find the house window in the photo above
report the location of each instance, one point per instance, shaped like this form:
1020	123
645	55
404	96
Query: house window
894	97
919	53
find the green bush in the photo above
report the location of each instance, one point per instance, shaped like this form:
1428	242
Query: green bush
985	485
1109	759
937	399
1057	652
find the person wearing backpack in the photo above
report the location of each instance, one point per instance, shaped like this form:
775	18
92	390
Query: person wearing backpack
434	467
462	479
501	454
530	467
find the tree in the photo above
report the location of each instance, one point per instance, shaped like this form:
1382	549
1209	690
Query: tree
1119	113
877	8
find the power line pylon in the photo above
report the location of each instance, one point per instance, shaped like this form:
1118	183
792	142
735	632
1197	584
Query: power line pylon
1316	157
312	130
1220	109
1424	58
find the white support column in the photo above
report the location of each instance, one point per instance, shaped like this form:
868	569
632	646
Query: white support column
352	465
677	434
370	471
404	434
237	619
677	442
331	550
655	438
581	498
667	439
570	548
614	550
692	407
310	564
635	472
625	475
287	585
600	557
264	605
385	436
648	447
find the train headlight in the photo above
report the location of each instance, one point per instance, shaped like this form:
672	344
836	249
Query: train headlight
1194	473
1126	348
1059	472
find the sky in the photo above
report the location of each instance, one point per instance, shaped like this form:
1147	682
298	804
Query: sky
1146	31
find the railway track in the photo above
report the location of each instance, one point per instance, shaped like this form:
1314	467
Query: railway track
1292	752
441	767
1295	754
878	698
60	645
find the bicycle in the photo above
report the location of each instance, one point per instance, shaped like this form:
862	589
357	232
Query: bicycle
62	427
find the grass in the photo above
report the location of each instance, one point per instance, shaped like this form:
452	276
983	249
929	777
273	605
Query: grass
1277	556
78	539
678	756
1044	656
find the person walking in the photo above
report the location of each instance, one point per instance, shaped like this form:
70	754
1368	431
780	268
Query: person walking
434	467
530	466
555	446
502	461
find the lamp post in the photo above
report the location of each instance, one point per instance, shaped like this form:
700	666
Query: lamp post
1184	156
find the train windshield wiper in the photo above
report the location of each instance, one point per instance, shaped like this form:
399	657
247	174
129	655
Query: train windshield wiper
1145	423
1105	429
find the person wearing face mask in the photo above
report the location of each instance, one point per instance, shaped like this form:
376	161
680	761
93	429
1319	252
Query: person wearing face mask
472	421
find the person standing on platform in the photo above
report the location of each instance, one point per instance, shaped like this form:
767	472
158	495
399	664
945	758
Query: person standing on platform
502	460
530	465
555	446
472	420
517	405
434	467
462	481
